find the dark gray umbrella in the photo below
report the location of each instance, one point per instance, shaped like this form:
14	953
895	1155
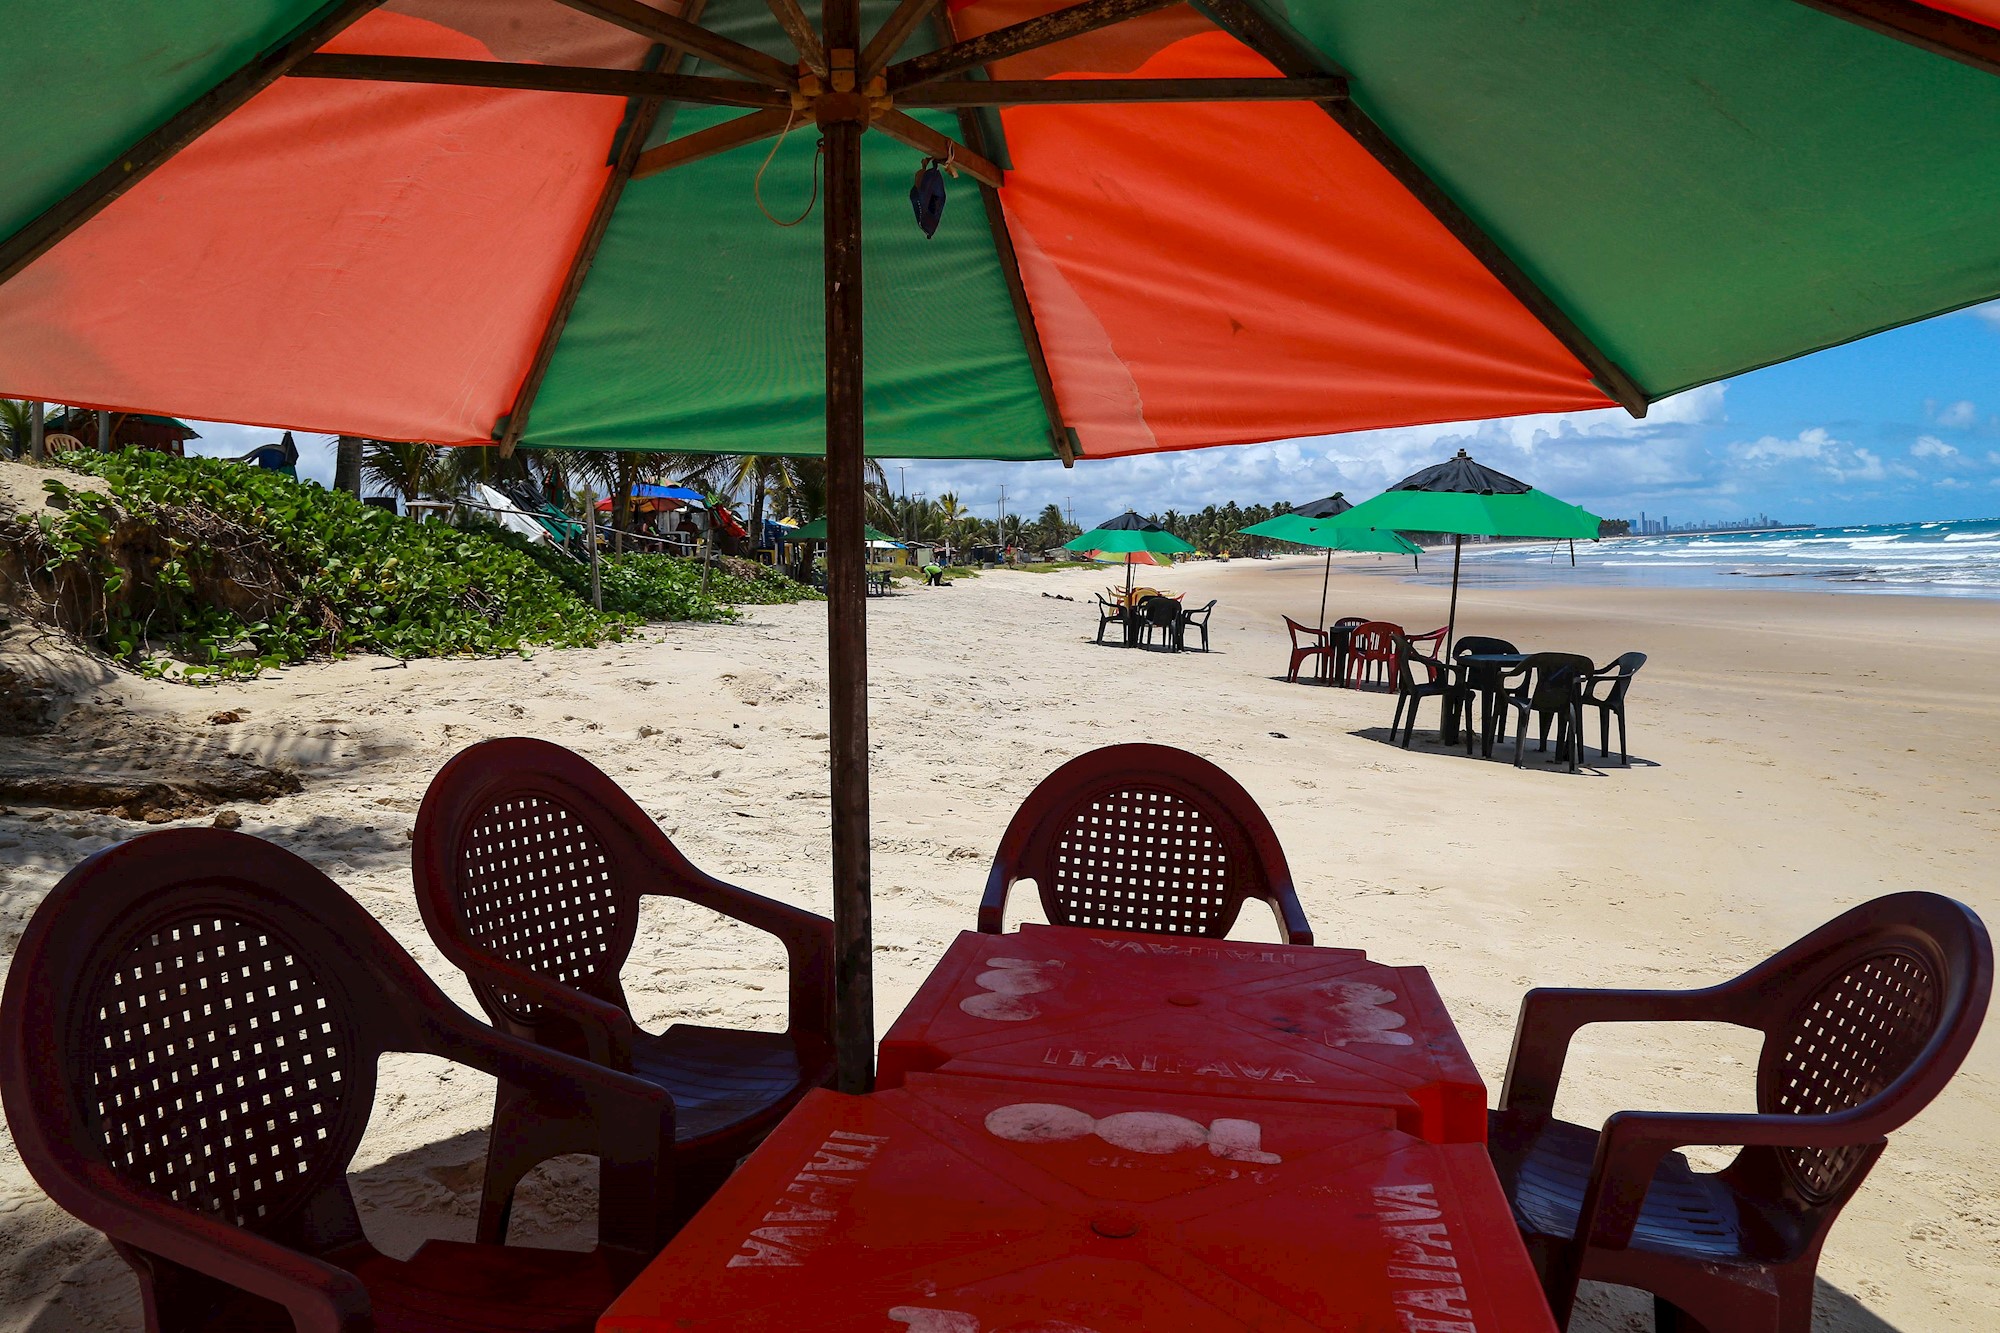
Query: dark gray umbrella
1336	503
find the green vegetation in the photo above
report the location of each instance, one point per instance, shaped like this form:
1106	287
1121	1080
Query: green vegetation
229	569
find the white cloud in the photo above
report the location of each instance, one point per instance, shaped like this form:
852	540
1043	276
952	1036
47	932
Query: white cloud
1958	415
1951	484
219	439
1930	446
1990	312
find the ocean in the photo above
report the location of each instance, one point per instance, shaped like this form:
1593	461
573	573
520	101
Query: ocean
1958	558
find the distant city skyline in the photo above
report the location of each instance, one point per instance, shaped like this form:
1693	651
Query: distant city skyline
1903	426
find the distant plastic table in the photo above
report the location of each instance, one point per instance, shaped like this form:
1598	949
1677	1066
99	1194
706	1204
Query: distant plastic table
1480	673
1181	1014
959	1205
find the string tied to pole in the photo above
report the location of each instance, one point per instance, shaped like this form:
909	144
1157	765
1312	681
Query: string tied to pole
757	185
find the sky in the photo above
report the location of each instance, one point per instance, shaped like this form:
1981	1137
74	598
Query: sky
1900	427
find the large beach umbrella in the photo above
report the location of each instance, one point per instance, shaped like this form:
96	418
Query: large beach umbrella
1130	533
816	530
1468	499
1329	507
1334	535
1169	225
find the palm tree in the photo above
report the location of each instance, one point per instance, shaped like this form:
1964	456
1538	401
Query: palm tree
15	426
411	471
951	517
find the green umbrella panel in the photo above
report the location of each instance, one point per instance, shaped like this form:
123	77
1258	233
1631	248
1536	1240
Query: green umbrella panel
1333	534
1126	535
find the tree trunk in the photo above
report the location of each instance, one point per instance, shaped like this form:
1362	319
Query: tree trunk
103	432
347	465
757	513
621	504
38	448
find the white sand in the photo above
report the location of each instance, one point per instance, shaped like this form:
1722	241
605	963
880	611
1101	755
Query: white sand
1795	753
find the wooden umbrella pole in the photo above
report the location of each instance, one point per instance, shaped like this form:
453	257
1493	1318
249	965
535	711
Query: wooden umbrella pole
1451	617
1323	583
841	127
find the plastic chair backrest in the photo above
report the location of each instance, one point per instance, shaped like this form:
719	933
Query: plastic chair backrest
1552	678
1627	666
1408	659
1873	1012
1373	641
1146	838
526	852
1296	629
199	1013
1349	622
1474	643
1161	610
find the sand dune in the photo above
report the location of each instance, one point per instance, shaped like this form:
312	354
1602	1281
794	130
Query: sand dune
1794	753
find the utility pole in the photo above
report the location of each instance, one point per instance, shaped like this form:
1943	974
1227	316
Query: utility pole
1000	520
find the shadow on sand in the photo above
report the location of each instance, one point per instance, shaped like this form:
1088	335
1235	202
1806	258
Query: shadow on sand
1592	764
1603	1309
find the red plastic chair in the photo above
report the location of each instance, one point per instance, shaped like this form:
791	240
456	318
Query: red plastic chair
188	1047
530	866
1315	646
1371	654
1147	838
1865	1020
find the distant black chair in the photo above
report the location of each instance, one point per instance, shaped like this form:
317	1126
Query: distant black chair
1864	1022
1549	686
1198	619
1605	691
1410	691
1161	615
1110	613
1336	642
1466	647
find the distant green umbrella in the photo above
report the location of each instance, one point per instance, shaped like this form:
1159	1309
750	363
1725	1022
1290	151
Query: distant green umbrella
1127	533
1469	499
1334	534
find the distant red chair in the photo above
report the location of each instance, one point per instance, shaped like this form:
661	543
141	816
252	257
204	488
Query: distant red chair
1371	654
1145	838
188	1051
1315	645
530	867
1865	1020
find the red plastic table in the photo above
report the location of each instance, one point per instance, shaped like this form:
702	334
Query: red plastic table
960	1205
1178	1014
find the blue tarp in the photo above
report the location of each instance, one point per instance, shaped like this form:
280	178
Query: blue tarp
647	491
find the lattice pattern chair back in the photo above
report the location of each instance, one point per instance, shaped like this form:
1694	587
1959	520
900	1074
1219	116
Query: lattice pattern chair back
190	993
188	1050
1144	838
538	887
1860	1029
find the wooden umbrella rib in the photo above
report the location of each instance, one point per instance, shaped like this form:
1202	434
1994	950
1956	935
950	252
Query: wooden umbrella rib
800	29
183	128
895	31
1028	35
1296	58
1949	35
913	132
1022	92
707	143
542	78
692	37
640	117
1017	293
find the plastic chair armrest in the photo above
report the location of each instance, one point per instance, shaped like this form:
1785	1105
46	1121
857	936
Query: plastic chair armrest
1550	1017
1284	901
319	1297
608	1029
634	1122
807	937
993	906
1633	1142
